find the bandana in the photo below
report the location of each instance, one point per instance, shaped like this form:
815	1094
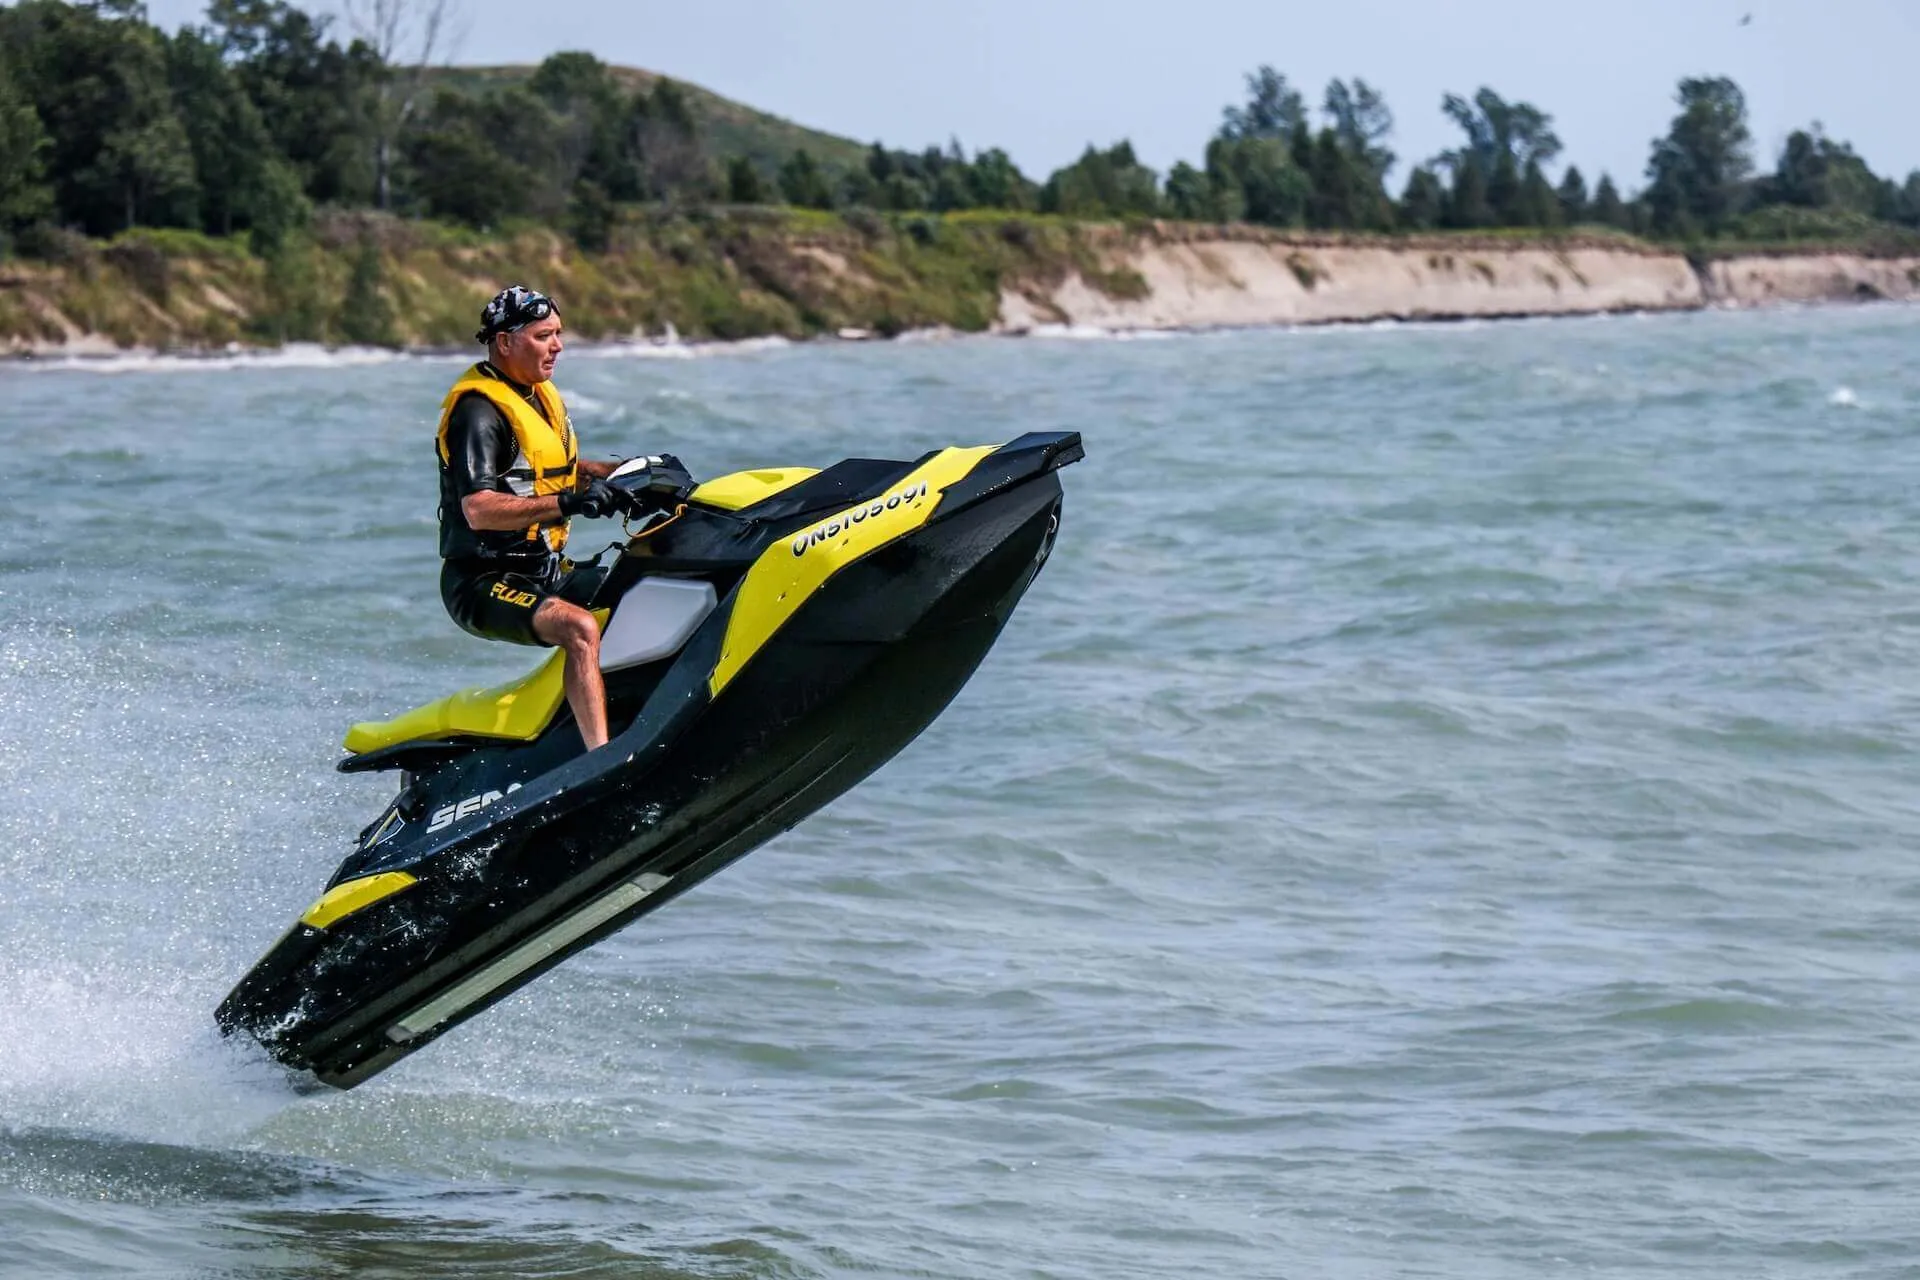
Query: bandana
513	309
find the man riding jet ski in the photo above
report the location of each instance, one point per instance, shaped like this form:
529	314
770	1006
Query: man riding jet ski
766	640
511	479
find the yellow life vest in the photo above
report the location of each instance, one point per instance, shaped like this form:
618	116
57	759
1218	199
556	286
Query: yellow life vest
546	443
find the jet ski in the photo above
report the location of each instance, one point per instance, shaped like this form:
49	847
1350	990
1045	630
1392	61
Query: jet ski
769	638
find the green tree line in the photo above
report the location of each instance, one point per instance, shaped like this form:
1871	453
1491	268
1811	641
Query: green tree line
248	122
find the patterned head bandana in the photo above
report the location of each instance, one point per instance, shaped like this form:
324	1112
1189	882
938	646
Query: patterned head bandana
513	309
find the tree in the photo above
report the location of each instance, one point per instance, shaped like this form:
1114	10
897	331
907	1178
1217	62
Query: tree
803	184
97	79
1496	127
277	207
404	36
1423	202
1274	109
1344	192
227	137
1103	184
950	191
1503	192
1906	208
1816	172
1272	190
1698	172
316	99
1195	195
1607	208
480	160
1360	120
592	216
1539	204
1801	178
366	317
592	140
995	182
664	135
1572	197
743	183
25	197
1467	203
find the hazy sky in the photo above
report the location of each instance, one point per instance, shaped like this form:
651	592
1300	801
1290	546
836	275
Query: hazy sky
1043	78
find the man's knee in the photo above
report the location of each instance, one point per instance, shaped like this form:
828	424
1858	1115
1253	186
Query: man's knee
568	626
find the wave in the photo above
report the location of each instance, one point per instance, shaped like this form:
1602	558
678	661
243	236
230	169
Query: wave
305	355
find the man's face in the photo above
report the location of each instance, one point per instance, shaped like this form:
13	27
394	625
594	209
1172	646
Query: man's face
529	355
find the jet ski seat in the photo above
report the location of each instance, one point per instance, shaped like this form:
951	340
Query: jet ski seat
517	711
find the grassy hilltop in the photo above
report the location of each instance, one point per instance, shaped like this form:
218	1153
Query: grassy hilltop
730	128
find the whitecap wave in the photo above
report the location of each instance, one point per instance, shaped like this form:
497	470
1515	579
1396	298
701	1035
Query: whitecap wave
296	355
1097	333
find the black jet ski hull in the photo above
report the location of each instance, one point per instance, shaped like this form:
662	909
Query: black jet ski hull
696	782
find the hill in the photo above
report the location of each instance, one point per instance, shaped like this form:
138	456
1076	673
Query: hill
730	128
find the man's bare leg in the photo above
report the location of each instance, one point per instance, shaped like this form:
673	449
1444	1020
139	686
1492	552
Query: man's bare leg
574	630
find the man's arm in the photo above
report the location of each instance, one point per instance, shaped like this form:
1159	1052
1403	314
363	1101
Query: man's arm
492	510
489	509
480	448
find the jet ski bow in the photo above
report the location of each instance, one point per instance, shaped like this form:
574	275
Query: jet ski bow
769	639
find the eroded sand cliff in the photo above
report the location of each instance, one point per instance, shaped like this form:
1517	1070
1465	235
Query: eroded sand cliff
1234	282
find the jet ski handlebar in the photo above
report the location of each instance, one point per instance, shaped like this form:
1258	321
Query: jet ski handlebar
651	483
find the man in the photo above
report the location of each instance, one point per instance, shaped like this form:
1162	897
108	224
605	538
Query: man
511	479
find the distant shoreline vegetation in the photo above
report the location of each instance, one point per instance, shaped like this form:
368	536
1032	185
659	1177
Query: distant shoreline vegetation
261	116
258	179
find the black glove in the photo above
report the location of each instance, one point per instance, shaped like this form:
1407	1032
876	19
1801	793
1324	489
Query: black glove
598	499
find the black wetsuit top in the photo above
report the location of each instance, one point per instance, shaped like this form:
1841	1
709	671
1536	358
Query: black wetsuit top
484	456
494	581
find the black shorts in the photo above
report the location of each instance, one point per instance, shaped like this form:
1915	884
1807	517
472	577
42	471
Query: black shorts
498	603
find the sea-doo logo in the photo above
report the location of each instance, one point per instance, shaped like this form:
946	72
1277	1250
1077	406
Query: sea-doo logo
444	818
859	515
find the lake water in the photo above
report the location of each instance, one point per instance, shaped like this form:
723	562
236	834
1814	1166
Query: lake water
1446	810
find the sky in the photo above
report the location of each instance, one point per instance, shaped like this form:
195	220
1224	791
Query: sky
1044	78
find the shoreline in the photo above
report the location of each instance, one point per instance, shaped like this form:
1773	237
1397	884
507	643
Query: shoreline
316	355
1187	280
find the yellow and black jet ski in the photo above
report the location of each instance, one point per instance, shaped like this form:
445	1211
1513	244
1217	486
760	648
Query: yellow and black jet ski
770	640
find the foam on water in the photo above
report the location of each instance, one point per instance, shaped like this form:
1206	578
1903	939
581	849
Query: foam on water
295	355
299	355
124	1048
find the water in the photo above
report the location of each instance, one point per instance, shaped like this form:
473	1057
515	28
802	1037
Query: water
1446	810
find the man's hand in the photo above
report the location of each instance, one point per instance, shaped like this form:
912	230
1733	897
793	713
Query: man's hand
598	499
